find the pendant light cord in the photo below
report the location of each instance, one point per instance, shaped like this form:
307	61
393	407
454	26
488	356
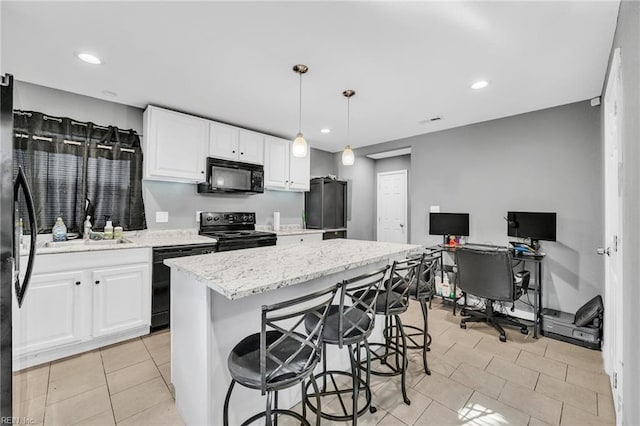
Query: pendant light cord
300	107
348	120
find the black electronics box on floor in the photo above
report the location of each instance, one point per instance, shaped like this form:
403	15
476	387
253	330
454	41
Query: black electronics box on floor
561	326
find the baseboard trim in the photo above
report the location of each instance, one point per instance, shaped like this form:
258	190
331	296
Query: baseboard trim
27	360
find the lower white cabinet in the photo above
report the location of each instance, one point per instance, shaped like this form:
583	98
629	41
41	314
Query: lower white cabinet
52	314
297	239
81	301
119	299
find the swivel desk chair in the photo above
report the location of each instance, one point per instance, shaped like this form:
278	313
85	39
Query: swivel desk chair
487	272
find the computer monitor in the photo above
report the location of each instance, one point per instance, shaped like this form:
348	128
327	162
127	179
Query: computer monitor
449	224
533	225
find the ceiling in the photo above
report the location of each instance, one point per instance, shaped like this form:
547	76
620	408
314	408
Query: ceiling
232	61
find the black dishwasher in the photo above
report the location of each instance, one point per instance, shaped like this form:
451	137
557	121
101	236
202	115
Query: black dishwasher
161	279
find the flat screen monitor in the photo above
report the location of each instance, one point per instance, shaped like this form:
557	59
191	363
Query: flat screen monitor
449	224
533	225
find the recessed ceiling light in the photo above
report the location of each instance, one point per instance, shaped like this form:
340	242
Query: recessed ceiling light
89	58
325	130
109	93
480	84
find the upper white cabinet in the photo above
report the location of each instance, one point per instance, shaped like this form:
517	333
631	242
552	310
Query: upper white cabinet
175	146
233	143
282	170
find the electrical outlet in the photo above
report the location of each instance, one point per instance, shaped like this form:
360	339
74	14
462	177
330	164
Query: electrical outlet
162	217
198	216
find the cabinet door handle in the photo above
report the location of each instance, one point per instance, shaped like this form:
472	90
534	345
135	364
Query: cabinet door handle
97	281
77	282
233	152
241	153
201	171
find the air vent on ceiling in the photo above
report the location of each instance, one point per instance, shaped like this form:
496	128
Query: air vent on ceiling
433	119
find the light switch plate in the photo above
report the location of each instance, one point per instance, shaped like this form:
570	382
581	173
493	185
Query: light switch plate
162	217
434	209
198	216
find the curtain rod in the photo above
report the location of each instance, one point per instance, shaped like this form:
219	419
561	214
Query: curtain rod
73	122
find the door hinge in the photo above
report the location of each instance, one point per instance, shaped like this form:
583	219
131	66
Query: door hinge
615	243
615	380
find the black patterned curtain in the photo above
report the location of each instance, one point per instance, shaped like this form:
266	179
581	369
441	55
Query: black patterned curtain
77	168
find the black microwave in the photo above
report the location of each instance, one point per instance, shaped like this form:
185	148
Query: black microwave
224	176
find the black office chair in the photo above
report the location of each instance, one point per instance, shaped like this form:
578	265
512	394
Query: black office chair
348	323
487	272
281	355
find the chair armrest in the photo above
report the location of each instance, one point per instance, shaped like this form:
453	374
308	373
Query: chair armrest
521	279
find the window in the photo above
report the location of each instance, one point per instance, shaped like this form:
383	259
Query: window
75	169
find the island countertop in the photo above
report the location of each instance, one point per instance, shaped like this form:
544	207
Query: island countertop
240	273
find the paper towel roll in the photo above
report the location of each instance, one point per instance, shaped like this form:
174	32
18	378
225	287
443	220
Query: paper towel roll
276	221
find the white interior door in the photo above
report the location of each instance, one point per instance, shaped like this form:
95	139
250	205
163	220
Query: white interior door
392	207
613	321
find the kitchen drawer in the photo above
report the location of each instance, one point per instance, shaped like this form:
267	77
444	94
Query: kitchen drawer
297	239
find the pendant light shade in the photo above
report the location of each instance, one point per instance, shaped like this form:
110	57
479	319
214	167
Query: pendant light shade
348	157
299	147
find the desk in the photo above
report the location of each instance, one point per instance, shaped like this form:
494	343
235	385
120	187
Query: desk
535	285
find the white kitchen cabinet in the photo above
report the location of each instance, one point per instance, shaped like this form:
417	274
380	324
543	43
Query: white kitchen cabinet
81	301
276	163
52	313
299	172
284	240
175	146
120	297
283	171
235	144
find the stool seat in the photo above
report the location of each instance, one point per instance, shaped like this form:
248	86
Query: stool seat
355	318
244	360
392	299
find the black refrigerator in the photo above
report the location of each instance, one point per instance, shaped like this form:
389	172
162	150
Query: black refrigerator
13	281
325	206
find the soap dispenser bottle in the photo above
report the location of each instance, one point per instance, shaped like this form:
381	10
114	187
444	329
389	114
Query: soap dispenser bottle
59	230
108	229
87	229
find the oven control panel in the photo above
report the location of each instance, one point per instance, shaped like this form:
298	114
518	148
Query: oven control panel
210	218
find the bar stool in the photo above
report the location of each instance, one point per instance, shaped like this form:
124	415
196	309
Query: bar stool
392	301
420	290
280	357
348	323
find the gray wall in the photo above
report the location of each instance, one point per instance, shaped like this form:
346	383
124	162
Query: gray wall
627	38
180	200
391	164
323	163
548	160
360	196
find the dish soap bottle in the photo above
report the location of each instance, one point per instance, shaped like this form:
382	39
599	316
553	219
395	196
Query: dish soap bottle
87	229
59	230
108	230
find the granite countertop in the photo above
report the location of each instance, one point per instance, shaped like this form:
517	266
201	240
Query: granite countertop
289	230
131	240
237	274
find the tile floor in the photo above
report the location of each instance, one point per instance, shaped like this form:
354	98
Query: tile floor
476	380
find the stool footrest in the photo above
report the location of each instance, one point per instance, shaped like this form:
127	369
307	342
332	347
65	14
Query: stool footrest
324	385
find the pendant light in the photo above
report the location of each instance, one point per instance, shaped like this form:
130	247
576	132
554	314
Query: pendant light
348	158
299	146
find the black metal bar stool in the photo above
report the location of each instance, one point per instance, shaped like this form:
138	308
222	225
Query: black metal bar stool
348	323
421	290
280	356
391	301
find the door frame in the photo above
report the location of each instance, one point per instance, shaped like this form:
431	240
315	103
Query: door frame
614	297
406	202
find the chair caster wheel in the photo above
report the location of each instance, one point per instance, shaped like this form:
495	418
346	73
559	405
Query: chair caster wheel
503	337
372	410
524	331
463	326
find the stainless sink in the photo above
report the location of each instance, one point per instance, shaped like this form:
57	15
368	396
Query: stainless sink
80	243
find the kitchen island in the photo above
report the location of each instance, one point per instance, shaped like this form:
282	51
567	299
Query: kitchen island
216	300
